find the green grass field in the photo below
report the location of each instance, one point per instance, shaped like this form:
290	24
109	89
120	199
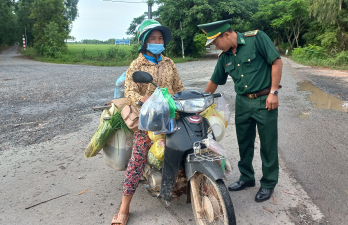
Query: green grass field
97	55
93	49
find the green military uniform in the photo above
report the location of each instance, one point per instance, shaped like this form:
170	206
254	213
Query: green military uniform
250	68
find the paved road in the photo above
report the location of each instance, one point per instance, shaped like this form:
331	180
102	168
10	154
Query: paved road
46	122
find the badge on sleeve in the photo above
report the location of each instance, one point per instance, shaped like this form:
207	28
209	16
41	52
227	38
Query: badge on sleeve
251	33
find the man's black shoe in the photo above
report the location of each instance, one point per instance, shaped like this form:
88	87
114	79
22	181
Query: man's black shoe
263	194
240	185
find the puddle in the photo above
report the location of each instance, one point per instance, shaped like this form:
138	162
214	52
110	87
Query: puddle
304	115
321	99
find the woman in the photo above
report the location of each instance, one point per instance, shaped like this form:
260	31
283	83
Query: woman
152	37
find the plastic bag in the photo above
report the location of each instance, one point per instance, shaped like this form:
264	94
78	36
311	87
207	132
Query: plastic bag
222	108
119	89
170	101
216	120
99	139
151	159
154	114
211	111
215	146
105	113
118	150
157	149
172	127
225	164
156	137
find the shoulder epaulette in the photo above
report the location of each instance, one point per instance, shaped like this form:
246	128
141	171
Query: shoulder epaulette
251	33
220	54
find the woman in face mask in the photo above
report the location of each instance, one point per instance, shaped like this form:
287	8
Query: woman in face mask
152	37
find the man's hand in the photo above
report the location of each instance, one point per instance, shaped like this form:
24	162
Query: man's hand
144	99
272	102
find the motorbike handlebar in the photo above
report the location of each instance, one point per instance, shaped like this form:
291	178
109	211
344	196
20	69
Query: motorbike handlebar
217	95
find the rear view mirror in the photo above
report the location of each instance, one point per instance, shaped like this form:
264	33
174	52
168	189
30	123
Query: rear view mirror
142	77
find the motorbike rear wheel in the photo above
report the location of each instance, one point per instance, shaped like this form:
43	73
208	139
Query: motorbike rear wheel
211	202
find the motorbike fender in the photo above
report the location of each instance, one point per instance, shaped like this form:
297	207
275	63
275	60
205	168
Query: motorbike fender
209	168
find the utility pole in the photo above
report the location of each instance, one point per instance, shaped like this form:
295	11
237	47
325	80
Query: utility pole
182	43
149	3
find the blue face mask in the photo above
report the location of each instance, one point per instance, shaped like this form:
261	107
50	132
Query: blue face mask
155	48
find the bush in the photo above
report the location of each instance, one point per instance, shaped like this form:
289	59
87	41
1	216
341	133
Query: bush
328	39
310	52
54	45
134	51
315	52
199	41
341	58
299	52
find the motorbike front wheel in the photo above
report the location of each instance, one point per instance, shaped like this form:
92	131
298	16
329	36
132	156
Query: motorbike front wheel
211	202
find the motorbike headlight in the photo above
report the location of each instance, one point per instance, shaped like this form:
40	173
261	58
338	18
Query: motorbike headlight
194	105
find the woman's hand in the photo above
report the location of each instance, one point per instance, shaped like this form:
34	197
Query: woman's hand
144	99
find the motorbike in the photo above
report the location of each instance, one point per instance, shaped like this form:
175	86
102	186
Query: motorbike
189	167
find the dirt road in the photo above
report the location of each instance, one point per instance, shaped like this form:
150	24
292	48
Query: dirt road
47	121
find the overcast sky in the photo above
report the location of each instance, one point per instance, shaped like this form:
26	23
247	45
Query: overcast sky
105	19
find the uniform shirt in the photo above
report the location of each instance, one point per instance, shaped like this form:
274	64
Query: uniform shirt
250	66
169	78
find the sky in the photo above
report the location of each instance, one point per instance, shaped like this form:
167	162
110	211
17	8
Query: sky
102	20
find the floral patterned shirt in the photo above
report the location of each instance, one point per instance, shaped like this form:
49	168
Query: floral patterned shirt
169	78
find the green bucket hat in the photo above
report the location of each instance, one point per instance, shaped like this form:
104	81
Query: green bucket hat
214	29
149	25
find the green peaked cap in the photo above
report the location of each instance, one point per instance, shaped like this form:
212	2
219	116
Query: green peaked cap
214	29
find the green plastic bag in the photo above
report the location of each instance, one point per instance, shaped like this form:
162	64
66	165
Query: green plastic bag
171	103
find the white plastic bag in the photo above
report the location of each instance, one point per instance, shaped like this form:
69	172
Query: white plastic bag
118	150
217	147
154	114
119	86
222	108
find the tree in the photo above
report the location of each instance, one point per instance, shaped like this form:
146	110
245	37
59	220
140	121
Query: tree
8	23
71	9
132	29
45	12
285	17
189	13
332	12
24	22
53	47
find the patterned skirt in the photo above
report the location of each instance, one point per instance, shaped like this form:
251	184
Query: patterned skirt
136	164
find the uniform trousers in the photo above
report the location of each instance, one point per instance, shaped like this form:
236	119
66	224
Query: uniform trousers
249	114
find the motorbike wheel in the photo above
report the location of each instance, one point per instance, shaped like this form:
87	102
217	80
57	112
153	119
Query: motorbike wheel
211	202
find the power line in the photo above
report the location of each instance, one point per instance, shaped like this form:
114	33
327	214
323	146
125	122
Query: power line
149	4
123	1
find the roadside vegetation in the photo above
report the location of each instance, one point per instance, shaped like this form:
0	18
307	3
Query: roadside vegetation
315	32
97	55
318	56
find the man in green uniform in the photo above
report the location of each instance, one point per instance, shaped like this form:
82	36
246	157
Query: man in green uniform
255	66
